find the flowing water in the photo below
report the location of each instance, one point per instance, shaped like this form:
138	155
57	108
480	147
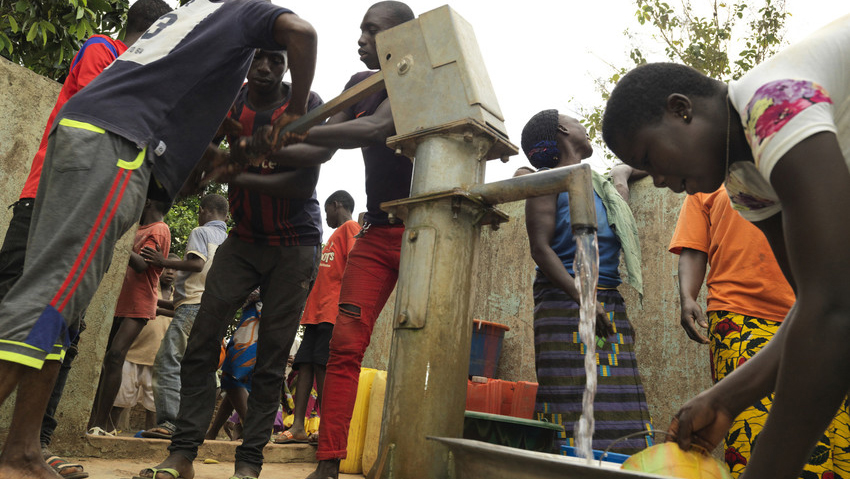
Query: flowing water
587	274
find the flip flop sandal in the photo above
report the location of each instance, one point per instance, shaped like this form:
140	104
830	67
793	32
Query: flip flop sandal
155	471
96	431
155	433
58	464
313	439
287	437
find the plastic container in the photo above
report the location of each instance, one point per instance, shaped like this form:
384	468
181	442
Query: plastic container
504	391
373	423
480	397
510	431
525	396
597	455
668	459
352	464
507	398
486	347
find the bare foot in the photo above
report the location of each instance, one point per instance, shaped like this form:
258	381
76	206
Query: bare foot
175	461
243	470
299	434
27	468
328	469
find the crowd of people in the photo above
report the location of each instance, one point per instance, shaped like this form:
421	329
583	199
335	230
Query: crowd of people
772	145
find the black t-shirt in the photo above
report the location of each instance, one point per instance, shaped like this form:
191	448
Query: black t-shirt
170	90
387	175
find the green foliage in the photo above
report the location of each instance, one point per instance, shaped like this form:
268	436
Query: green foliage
702	42
44	35
182	218
705	42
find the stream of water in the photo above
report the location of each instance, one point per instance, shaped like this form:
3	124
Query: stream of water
586	267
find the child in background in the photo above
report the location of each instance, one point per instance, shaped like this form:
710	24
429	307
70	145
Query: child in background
319	318
136	382
136	306
240	357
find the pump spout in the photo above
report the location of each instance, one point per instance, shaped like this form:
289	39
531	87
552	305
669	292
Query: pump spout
577	180
582	202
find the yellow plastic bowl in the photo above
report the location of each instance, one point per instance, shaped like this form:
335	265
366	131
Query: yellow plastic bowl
668	459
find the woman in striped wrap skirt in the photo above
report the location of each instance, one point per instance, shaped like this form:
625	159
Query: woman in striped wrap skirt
551	140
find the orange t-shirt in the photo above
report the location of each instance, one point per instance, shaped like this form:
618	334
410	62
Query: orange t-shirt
744	276
139	292
323	302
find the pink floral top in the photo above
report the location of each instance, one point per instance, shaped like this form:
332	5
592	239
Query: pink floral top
801	91
770	109
775	104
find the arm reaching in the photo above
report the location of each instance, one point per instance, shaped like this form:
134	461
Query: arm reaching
214	164
692	265
621	175
340	132
191	263
369	130
300	40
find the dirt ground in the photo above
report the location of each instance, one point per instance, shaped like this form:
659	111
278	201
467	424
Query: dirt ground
99	468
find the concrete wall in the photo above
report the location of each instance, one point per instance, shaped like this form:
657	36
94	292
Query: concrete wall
26	100
673	368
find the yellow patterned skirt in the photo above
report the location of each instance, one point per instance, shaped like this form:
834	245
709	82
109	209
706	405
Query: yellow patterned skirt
735	338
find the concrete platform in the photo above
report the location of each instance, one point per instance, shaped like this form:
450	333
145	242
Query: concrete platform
124	457
99	468
148	450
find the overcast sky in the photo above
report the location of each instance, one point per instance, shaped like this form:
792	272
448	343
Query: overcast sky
540	54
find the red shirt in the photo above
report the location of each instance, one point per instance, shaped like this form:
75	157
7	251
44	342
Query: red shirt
95	55
323	302
139	292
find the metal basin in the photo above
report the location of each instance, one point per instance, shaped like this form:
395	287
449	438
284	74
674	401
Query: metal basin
476	459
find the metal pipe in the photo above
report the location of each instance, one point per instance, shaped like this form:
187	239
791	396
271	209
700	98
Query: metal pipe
575	179
582	202
542	183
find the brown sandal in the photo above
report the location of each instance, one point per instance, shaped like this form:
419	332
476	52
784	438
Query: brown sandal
287	437
162	431
62	468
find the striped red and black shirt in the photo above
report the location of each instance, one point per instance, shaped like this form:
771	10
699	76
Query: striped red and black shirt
264	219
